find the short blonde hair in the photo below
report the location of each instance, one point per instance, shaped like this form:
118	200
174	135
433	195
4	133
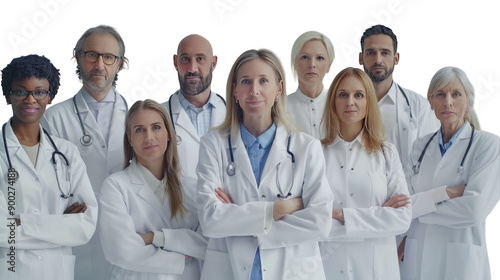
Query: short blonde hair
444	77
373	128
171	163
279	111
311	36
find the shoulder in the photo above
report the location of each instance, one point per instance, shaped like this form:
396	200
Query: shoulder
487	140
390	150
304	141
59	108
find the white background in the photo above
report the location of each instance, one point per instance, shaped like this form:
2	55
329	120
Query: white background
431	34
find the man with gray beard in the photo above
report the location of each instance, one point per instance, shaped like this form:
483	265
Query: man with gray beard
194	108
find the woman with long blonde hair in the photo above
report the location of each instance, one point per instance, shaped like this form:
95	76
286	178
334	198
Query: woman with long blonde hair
147	222
367	181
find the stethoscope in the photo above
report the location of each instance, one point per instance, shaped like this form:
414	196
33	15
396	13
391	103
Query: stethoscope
406	98
460	169
86	139
231	167
178	138
13	175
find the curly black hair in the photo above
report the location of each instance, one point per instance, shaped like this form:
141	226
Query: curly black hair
30	66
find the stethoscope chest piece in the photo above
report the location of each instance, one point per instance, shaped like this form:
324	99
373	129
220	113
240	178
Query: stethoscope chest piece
231	169
86	140
12	175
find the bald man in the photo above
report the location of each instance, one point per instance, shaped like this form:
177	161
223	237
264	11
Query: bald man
194	108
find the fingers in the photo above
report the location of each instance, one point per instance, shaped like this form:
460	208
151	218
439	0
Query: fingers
76	208
397	201
222	196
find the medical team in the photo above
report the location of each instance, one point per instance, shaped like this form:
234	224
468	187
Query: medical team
399	187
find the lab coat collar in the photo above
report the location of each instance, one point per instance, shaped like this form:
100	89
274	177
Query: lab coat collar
181	118
145	192
15	147
391	95
358	139
278	150
306	99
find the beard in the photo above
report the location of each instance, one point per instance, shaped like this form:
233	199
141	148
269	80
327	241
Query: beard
195	87
377	78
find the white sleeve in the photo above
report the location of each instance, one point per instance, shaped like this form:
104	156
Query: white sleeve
378	221
481	194
129	251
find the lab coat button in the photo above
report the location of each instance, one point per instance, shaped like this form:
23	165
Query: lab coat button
264	270
342	204
342	272
243	268
263	196
103	146
39	258
350	270
351	194
37	211
404	128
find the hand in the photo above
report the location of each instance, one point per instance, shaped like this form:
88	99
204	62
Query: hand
147	237
456	191
397	201
286	207
76	208
401	249
223	196
338	214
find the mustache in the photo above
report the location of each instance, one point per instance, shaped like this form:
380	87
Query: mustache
195	74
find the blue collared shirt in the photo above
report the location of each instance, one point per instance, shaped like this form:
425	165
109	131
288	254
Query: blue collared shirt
445	147
201	118
258	151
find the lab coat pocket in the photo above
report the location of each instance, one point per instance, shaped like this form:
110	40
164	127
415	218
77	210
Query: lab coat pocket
464	261
217	266
385	261
68	266
378	186
409	264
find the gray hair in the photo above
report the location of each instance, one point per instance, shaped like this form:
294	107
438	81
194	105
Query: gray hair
444	77
310	36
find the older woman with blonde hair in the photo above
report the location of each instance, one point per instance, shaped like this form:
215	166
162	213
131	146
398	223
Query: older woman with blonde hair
263	197
311	57
147	221
454	181
367	181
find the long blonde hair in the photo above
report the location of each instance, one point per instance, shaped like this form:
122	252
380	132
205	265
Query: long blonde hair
171	164
373	128
279	111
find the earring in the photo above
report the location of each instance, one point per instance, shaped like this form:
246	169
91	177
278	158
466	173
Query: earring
236	101
276	99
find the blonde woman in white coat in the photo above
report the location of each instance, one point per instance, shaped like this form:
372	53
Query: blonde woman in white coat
312	55
147	223
368	183
454	184
46	208
263	216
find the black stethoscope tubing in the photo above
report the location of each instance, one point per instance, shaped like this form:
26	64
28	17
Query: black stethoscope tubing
86	139
231	168
416	167
53	160
177	137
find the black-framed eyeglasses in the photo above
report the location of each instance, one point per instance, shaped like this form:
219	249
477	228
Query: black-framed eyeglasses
38	94
107	58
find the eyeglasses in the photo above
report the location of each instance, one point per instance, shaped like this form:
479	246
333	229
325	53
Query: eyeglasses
107	58
20	95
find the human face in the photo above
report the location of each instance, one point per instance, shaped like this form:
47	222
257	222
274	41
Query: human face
194	63
98	77
29	110
350	102
378	57
256	89
312	62
148	137
450	104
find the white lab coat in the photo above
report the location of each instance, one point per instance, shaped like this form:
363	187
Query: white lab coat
44	239
422	122
189	148
307	112
447	240
102	159
288	247
365	246
128	206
